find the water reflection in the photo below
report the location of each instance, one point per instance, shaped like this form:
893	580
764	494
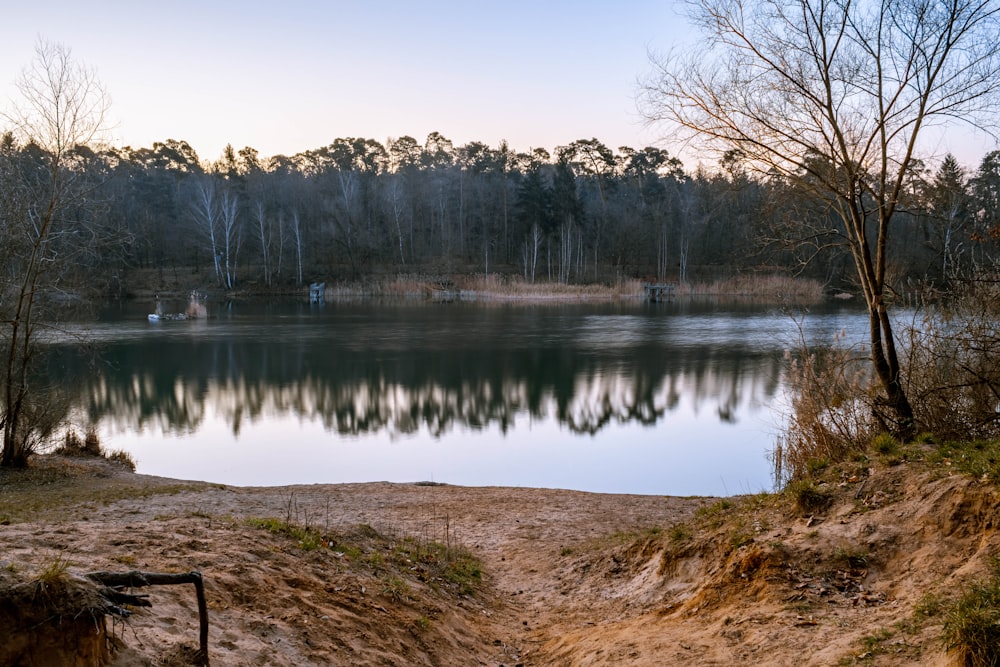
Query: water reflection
398	370
421	375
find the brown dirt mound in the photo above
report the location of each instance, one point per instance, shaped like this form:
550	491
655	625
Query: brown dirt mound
55	620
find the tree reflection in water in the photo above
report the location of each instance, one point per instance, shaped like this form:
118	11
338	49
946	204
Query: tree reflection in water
395	370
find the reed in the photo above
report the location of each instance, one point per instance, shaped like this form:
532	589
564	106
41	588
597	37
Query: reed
492	286
831	415
771	288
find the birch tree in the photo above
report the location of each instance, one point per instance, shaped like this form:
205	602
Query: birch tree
206	209
229	207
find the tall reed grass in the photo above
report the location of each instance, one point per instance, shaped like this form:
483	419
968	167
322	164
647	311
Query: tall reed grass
773	287
497	286
831	415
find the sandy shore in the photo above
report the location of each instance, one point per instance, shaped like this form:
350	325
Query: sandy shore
563	577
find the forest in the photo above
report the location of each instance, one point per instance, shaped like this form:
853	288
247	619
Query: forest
358	209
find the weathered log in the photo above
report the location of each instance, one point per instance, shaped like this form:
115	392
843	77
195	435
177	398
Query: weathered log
136	579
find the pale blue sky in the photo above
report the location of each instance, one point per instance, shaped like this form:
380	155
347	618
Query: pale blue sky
289	76
285	77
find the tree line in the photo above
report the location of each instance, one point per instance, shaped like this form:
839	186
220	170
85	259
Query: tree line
358	208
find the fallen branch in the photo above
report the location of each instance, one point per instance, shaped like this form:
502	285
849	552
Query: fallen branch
114	581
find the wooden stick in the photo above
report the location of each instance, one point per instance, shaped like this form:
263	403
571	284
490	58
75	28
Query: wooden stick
136	579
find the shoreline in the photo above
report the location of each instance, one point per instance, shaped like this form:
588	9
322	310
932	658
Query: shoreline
770	288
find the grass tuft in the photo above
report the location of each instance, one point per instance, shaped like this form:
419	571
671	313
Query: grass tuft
394	560
123	458
809	497
90	446
53	573
885	444
972	625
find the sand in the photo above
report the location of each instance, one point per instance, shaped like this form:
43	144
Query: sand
567	578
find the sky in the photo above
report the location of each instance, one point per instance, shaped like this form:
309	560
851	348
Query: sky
286	76
289	76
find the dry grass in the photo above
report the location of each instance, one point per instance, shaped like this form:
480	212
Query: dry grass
951	372
771	287
481	287
831	417
972	625
90	445
59	487
501	287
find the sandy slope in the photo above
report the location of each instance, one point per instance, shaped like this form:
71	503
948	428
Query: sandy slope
569	578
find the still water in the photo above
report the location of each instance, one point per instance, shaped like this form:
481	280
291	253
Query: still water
679	398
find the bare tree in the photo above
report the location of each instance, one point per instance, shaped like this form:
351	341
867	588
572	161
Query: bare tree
395	203
834	95
297	231
532	243
264	231
61	110
206	209
229	206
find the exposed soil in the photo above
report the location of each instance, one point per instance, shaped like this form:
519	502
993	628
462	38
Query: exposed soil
568	578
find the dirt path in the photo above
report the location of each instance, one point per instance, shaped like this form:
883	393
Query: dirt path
264	596
567	578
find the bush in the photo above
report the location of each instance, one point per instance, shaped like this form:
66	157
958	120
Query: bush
953	368
39	417
951	374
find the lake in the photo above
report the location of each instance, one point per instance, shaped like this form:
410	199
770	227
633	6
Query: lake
679	398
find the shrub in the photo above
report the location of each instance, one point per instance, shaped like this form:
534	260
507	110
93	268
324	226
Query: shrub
953	366
951	374
39	417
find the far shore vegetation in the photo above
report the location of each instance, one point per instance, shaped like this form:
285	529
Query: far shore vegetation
763	288
774	288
